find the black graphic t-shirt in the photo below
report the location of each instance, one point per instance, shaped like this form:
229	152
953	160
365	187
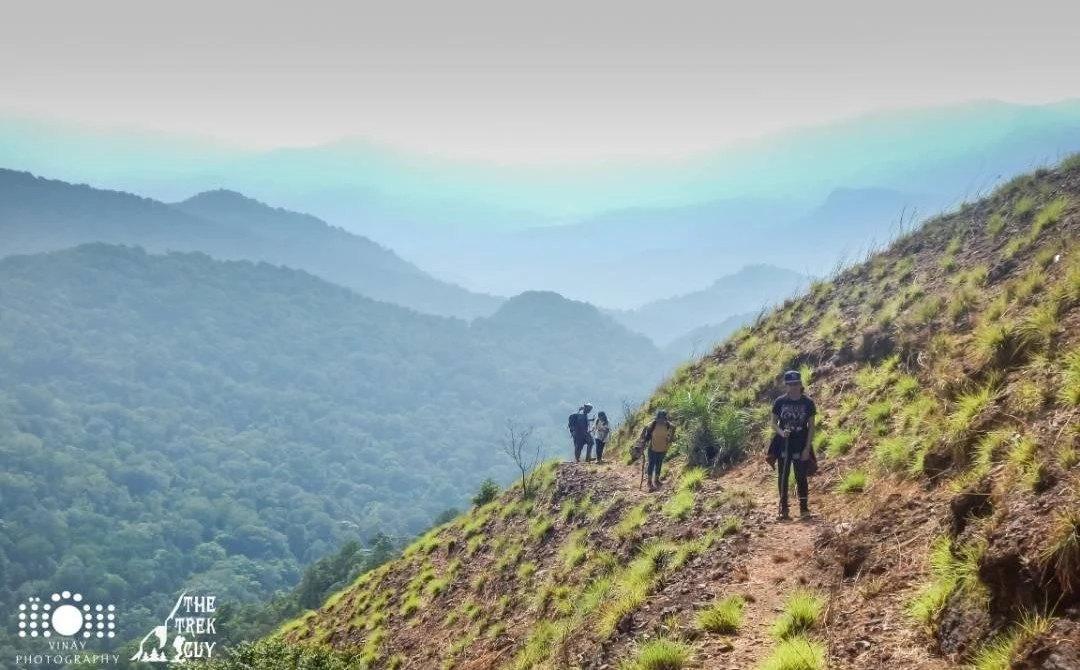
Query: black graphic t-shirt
795	413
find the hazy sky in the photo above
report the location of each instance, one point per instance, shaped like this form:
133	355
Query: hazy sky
509	81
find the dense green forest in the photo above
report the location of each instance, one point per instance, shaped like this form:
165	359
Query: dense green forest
173	422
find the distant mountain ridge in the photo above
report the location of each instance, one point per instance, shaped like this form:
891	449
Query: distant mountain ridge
751	289
38	214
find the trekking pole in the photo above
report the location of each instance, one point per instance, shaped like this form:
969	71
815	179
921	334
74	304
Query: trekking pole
786	460
641	482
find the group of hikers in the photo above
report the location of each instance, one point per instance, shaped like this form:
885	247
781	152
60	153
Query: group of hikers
793	417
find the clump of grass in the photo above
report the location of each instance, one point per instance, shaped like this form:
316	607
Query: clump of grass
735	496
893	454
905	268
1062	553
633	520
802	610
969	411
1069	388
840	443
411	606
877	414
526	570
796	654
692	479
724	616
995	224
853	482
906	387
999	653
660	654
731	525
438	586
952	572
1024	207
575	551
540	528
928	309
1049	215
680	505
1026	397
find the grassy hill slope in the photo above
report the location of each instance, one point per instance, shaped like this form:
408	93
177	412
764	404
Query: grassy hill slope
947	373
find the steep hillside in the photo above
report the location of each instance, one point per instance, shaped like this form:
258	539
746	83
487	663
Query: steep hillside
947	374
226	423
752	289
39	215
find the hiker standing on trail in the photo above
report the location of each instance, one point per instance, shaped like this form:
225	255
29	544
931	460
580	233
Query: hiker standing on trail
793	419
657	436
578	425
601	431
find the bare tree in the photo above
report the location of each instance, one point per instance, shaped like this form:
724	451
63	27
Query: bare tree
519	446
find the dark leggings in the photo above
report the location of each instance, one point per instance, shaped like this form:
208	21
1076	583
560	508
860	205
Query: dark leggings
802	486
656	459
599	449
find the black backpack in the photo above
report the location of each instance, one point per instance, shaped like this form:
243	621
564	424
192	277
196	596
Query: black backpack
575	421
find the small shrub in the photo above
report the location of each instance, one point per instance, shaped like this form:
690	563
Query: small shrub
488	491
723	616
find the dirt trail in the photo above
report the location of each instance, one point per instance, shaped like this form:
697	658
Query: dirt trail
776	561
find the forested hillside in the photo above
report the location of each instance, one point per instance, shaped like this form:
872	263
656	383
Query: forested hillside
173	421
39	215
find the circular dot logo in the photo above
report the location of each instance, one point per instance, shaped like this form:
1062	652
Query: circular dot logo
66	618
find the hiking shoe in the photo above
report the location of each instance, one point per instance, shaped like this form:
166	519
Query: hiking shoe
784	516
805	512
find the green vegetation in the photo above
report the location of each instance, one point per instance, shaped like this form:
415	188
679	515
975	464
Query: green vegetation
802	610
660	654
231	423
853	482
723	616
797	653
951	572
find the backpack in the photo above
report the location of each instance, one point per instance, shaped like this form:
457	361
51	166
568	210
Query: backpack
575	421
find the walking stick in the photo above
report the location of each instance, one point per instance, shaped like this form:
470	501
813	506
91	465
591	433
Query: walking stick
642	482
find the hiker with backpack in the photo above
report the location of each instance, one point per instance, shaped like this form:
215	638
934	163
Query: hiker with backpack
792	444
578	424
601	430
658	437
